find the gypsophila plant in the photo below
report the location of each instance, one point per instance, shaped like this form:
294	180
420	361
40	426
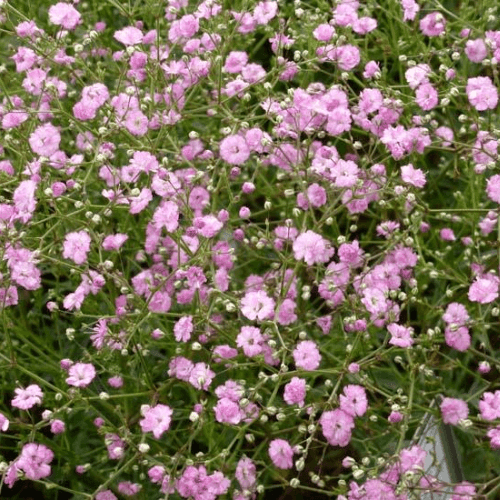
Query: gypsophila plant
248	247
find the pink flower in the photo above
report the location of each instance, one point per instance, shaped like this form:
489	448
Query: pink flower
183	329
426	97
201	376
456	313
265	11
234	150
34	460
24	200
482	93
246	473
400	335
106	495
257	306
181	368
185	27
129	489
346	173
136	122
494	435
351	254
484	289
250	340
372	69
27	398
348	57
166	216
230	390
57	427
306	355
156	419
447	234
81	374
316	195
324	32
4	423
339	121
354	401
114	241
312	248
76	246
412	459
493	188
295	392
364	25
464	491
281	453
395	417
45	140
410	9
207	226
489	405
116	382
476	50
227	412
457	337
235	61
417	75
160	302
453	410
65	15
337	426
433	24
129	35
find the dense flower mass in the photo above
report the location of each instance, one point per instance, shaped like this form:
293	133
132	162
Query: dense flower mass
249	248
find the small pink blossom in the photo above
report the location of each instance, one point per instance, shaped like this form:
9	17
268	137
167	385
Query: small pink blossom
482	93
476	50
295	392
453	410
156	419
433	24
4	423
257	306
426	97
246	473
337	426
457	338
129	35
464	491
281	453
81	374
494	435
353	400
400	335
489	406
306	355
114	241
65	15
27	398
493	188
234	150
312	248
45	140
183	329
227	412
484	289
77	246
250	340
